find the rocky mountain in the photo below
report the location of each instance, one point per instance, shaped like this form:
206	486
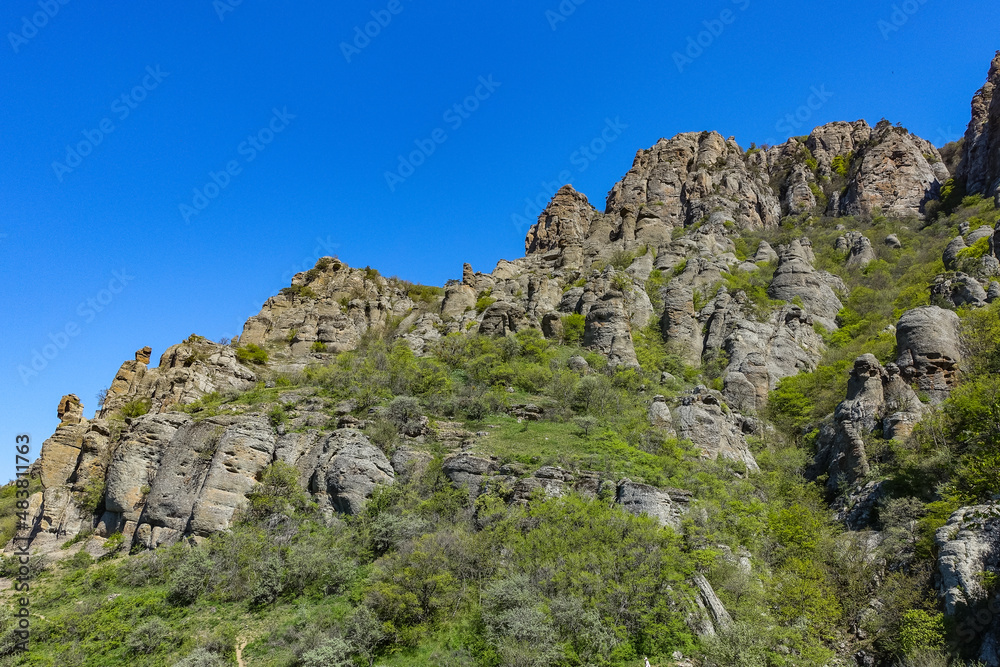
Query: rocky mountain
678	255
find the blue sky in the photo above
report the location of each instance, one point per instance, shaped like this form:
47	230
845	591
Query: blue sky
164	169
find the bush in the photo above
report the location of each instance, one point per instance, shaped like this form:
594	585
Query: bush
318	346
148	637
484	302
574	326
252	354
201	657
135	408
192	578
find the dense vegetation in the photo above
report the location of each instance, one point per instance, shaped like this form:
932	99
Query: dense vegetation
425	575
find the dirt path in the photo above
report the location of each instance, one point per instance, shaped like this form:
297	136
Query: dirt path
239	651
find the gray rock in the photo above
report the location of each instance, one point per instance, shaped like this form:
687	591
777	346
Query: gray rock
659	416
701	420
928	343
980	165
993	293
639	499
892	173
608	331
860	252
959	289
502	318
796	277
951	252
969	546
578	364
351	475
875	397
893	241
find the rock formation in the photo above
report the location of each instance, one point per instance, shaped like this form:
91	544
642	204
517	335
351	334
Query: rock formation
929	347
968	552
980	165
877	398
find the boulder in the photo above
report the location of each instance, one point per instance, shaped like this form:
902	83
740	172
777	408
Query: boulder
928	342
659	416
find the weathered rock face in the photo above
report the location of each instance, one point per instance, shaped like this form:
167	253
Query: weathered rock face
166	476
980	165
608	331
644	499
929	346
876	397
187	371
796	277
860	252
969	549
680	181
896	172
565	221
760	353
700	418
332	304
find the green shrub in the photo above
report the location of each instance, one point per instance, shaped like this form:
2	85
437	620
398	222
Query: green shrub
318	346
300	291
921	630
574	326
841	164
148	637
135	408
484	302
252	354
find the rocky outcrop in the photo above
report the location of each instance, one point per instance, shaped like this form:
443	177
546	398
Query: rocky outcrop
968	557
187	371
795	277
980	165
877	398
895	172
928	344
702	420
565	221
683	180
644	499
608	330
331	304
959	289
860	252
759	353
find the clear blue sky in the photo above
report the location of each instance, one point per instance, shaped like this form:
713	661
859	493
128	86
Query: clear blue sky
199	78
